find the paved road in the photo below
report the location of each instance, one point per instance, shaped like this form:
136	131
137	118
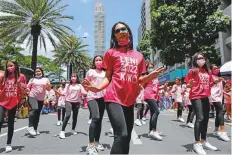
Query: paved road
177	139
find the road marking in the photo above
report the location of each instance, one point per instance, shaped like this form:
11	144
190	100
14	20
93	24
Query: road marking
134	137
4	134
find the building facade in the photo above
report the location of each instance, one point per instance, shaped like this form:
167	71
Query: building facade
145	19
223	43
99	29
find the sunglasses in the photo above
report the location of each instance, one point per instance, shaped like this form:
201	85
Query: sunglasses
123	29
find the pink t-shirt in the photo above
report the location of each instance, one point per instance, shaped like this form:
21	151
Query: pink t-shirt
37	88
96	77
74	93
127	67
178	93
152	90
61	98
140	98
11	92
202	81
227	97
186	99
216	91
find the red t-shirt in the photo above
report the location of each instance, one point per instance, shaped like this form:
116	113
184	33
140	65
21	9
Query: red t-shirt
152	90
127	66
11	92
202	81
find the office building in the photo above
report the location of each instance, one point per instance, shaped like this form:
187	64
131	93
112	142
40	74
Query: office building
99	29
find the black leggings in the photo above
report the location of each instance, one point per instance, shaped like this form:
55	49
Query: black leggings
220	112
147	108
201	108
180	109
69	107
59	109
154	113
190	114
11	118
96	108
122	121
140	107
34	115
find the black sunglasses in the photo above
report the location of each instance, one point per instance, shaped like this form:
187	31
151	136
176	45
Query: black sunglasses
123	29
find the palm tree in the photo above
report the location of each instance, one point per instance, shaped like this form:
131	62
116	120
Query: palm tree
33	21
71	53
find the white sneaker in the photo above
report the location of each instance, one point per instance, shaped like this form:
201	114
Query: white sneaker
91	150
62	135
143	122
207	145
223	136
111	131
190	125
37	132
144	119
31	131
74	132
199	149
89	122
181	119
99	146
138	123
58	123
155	135
8	149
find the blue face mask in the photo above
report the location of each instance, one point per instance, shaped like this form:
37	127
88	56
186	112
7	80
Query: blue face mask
149	70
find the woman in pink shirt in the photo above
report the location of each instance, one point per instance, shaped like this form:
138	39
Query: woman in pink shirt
73	97
216	99
124	68
177	90
96	105
37	87
200	80
227	98
61	101
151	96
11	84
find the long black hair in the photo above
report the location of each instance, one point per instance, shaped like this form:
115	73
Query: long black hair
195	65
113	40
16	71
93	64
41	69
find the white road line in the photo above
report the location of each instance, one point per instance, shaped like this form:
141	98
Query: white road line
134	137
4	134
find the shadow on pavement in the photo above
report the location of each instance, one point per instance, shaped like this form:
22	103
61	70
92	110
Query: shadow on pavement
44	132
18	148
109	134
189	147
175	120
68	134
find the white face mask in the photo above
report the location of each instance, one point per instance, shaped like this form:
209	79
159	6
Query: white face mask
38	76
201	62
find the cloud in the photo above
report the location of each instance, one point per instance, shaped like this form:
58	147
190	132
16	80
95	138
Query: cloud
86	34
85	1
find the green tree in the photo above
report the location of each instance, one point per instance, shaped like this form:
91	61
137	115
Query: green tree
71	52
144	46
46	63
180	29
33	21
10	51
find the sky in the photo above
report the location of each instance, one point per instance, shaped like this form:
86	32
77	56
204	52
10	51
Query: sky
128	11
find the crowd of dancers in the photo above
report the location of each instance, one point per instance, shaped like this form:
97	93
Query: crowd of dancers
115	83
